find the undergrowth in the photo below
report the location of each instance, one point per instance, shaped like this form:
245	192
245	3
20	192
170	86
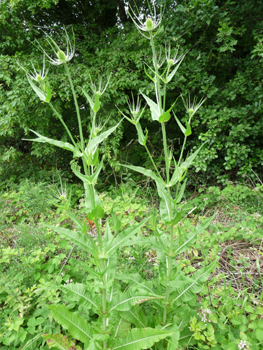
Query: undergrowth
35	261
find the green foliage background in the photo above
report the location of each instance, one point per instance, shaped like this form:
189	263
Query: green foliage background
224	61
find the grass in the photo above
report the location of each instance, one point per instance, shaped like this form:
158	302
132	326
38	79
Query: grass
34	261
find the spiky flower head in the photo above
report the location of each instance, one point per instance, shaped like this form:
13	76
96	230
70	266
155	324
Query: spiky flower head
62	57
192	107
150	25
172	61
134	108
36	75
98	89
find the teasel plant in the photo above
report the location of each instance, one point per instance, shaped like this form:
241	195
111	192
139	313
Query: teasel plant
104	296
179	291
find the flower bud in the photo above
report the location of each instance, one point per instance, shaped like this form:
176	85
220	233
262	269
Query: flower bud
170	63
61	56
149	25
39	78
191	111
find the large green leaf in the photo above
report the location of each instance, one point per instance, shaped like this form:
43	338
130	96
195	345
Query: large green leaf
43	95
135	316
174	339
191	288
65	145
84	241
146	172
155	112
88	179
98	139
77	326
189	239
79	293
91	198
138	339
135	279
189	160
124	302
171	75
123	237
60	341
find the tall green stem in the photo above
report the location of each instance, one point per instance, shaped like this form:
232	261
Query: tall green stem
91	192
76	106
169	270
157	80
104	302
63	123
153	163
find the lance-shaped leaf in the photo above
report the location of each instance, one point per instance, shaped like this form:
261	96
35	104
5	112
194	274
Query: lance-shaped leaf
191	288
177	176
138	339
123	302
66	145
91	198
146	172
77	326
141	137
189	160
97	103
76	221
60	341
43	95
171	75
189	238
153	107
135	316
98	139
173	340
181	192
91	103
84	241
123	237
136	280
183	129
78	292
166	205
188	130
